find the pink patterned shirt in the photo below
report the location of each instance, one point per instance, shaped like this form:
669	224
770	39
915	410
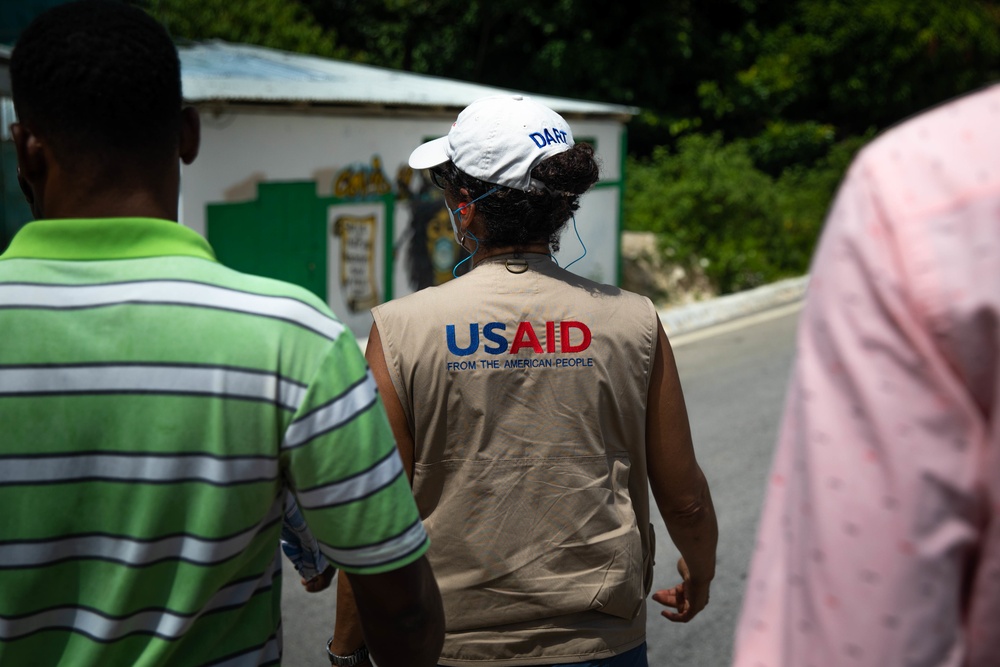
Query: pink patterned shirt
879	544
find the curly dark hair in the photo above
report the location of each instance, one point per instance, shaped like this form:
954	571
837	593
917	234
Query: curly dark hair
513	217
99	79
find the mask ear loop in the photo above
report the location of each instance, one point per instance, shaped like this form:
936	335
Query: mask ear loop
454	271
581	243
482	196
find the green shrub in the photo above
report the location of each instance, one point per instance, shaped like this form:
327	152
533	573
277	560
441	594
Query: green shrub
783	144
710	204
804	196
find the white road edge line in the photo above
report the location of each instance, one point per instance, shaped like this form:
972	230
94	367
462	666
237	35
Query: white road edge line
734	325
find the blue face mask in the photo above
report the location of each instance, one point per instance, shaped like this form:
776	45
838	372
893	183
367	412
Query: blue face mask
454	225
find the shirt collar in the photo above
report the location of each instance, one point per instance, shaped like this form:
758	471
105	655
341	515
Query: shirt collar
106	238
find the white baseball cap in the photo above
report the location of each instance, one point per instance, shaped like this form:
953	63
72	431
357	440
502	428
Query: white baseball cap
499	139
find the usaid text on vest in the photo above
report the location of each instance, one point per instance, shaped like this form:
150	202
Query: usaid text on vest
536	339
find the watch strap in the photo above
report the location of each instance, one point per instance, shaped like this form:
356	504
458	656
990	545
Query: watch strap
351	660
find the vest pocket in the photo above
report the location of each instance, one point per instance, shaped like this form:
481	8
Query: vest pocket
528	539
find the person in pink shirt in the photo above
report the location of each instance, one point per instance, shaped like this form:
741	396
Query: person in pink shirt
879	542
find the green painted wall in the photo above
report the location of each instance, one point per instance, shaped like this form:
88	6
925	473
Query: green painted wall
283	234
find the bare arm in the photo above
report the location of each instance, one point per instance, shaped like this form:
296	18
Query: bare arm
679	487
393	407
347	633
400	615
348	636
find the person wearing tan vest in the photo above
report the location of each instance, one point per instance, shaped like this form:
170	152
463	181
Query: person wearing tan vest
533	409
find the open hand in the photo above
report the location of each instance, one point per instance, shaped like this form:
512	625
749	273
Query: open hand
688	597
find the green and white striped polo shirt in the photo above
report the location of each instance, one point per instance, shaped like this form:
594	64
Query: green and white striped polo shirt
153	404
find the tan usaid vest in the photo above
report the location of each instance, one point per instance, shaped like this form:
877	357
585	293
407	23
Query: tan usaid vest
525	388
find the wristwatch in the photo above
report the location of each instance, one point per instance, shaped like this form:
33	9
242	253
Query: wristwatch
351	660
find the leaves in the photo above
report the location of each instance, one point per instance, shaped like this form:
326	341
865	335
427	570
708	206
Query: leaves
708	201
711	204
279	25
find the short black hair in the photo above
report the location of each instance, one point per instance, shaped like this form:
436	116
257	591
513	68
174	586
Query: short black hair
98	79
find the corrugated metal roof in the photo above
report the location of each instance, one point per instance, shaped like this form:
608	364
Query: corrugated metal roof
237	73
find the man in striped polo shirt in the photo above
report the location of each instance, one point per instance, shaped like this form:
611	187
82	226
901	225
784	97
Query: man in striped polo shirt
154	405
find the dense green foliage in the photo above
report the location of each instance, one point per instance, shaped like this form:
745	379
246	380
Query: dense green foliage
711	204
287	26
708	199
749	110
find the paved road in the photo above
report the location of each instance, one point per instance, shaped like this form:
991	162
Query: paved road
734	381
734	384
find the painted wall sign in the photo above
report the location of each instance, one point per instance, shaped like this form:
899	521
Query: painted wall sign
357	260
358	181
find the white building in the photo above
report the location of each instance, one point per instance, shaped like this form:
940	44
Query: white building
302	173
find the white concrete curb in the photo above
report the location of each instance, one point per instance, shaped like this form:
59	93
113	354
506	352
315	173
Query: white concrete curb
693	316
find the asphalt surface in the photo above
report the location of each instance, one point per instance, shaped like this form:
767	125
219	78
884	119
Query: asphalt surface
734	385
734	377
